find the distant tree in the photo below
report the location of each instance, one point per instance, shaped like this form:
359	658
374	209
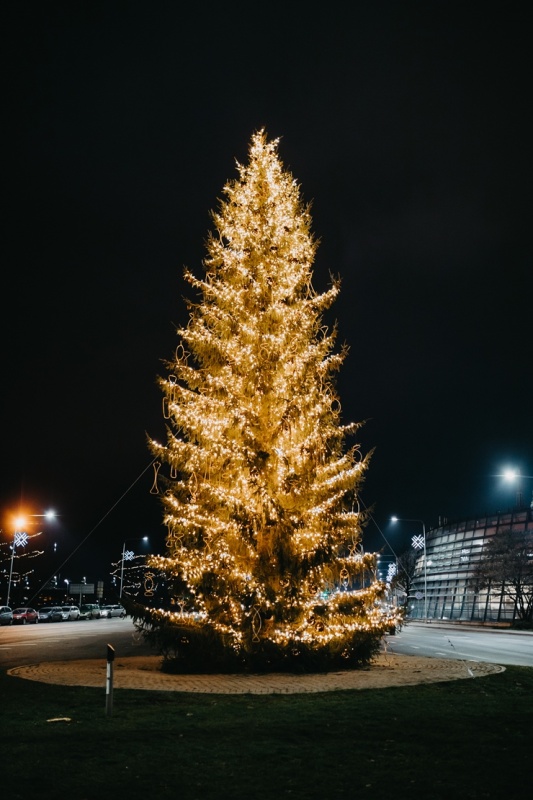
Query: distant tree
507	564
402	582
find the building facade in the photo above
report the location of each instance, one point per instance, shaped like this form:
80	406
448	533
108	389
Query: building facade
452	553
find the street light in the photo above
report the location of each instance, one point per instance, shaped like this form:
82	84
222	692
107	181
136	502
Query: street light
514	476
419	542
20	539
128	555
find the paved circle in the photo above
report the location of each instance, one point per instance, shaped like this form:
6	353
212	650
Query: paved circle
144	673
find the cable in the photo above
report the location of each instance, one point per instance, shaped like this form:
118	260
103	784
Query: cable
123	495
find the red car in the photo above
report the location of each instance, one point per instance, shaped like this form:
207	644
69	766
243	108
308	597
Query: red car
22	616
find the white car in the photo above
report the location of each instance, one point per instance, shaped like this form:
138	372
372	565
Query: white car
70	612
90	611
113	611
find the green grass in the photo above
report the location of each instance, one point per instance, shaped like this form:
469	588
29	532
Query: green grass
460	739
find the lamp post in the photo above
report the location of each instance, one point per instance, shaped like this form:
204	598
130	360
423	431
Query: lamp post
419	542
20	539
515	476
127	555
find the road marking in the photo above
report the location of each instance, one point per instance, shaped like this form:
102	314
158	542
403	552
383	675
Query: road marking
466	656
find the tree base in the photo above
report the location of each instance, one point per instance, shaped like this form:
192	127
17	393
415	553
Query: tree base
201	651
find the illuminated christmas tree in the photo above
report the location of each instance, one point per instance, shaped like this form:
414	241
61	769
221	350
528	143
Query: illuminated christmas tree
259	489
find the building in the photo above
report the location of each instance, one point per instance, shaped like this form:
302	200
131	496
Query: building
452	551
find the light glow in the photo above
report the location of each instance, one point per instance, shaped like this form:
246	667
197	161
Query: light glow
511	475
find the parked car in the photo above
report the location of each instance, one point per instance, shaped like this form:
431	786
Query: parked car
90	611
6	615
70	612
113	611
22	616
51	614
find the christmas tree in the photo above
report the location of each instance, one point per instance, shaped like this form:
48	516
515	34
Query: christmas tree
258	485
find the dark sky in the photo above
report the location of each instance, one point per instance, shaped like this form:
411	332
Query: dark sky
405	125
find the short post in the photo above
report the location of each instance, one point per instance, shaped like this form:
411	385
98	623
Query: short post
109	680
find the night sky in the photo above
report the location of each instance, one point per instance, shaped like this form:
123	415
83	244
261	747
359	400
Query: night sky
405	125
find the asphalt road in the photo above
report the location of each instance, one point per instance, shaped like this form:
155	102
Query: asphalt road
67	641
449	640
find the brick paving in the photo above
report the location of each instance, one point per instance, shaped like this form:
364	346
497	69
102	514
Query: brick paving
144	673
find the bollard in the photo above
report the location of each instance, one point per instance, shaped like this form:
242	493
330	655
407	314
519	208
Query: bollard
109	681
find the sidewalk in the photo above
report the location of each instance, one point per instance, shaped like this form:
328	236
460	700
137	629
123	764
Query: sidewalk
452	624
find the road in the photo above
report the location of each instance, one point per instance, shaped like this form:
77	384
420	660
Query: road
68	641
449	640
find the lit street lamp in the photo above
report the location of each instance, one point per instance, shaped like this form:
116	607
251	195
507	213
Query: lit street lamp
419	543
20	539
128	555
514	476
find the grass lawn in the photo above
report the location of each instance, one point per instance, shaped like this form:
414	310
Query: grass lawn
461	739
